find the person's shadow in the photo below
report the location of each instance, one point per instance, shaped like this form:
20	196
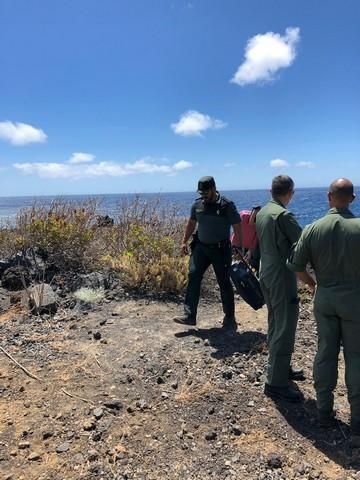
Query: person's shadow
227	342
333	442
302	417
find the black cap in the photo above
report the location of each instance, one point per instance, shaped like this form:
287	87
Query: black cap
205	183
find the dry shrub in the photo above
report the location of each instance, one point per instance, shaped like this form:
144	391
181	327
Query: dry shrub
194	393
144	247
161	273
63	231
7	241
90	295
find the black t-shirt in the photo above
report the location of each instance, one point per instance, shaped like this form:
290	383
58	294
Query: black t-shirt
214	219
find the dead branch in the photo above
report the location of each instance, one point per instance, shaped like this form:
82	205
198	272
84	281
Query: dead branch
72	395
20	366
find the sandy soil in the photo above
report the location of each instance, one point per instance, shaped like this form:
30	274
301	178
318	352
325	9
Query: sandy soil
122	392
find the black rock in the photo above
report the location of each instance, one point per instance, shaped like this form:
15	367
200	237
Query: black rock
274	460
104	221
15	278
4	265
210	436
113	404
47	434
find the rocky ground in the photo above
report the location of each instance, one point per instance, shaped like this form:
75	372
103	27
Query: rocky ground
122	392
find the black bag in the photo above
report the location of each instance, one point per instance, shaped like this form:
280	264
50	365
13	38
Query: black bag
246	284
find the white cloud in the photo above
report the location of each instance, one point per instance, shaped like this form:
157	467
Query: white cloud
193	123
278	163
46	170
100	169
182	165
80	157
305	164
265	55
21	133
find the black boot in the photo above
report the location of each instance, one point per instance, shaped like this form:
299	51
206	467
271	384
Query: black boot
283	393
326	418
185	320
229	323
296	374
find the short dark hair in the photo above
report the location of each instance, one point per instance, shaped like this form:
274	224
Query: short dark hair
281	185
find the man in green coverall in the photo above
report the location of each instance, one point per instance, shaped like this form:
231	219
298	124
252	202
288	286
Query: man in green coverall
277	230
213	215
332	246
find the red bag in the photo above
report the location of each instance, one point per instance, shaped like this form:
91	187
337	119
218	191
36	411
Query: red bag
248	229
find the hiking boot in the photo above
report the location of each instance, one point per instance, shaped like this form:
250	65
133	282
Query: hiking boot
326	418
296	374
229	323
185	320
283	393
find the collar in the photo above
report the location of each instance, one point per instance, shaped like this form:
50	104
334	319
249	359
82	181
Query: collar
341	211
277	202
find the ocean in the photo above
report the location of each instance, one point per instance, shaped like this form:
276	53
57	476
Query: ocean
308	204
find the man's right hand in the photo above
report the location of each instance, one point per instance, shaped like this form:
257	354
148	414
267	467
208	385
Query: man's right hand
184	249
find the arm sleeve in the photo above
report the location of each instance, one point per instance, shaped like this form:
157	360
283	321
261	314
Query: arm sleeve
232	214
193	212
300	254
290	227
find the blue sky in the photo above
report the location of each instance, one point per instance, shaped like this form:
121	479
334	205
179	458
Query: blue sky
118	96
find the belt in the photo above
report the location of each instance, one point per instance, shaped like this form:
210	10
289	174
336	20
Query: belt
220	244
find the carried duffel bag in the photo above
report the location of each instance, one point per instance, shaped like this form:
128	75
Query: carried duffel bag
246	284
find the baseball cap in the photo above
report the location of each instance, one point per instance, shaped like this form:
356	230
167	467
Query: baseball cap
205	183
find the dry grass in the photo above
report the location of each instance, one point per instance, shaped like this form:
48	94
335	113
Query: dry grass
192	393
257	442
11	313
90	295
142	246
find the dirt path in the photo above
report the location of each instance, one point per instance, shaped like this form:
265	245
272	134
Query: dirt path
125	393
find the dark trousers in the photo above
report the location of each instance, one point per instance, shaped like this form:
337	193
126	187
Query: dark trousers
202	257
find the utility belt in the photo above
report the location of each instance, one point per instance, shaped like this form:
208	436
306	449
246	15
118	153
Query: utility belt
222	244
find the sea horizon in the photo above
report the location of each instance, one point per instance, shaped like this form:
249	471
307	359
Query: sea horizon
308	204
160	192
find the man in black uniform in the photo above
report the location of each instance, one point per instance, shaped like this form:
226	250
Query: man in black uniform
213	214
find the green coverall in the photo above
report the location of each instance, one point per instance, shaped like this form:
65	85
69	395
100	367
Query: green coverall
332	246
277	230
